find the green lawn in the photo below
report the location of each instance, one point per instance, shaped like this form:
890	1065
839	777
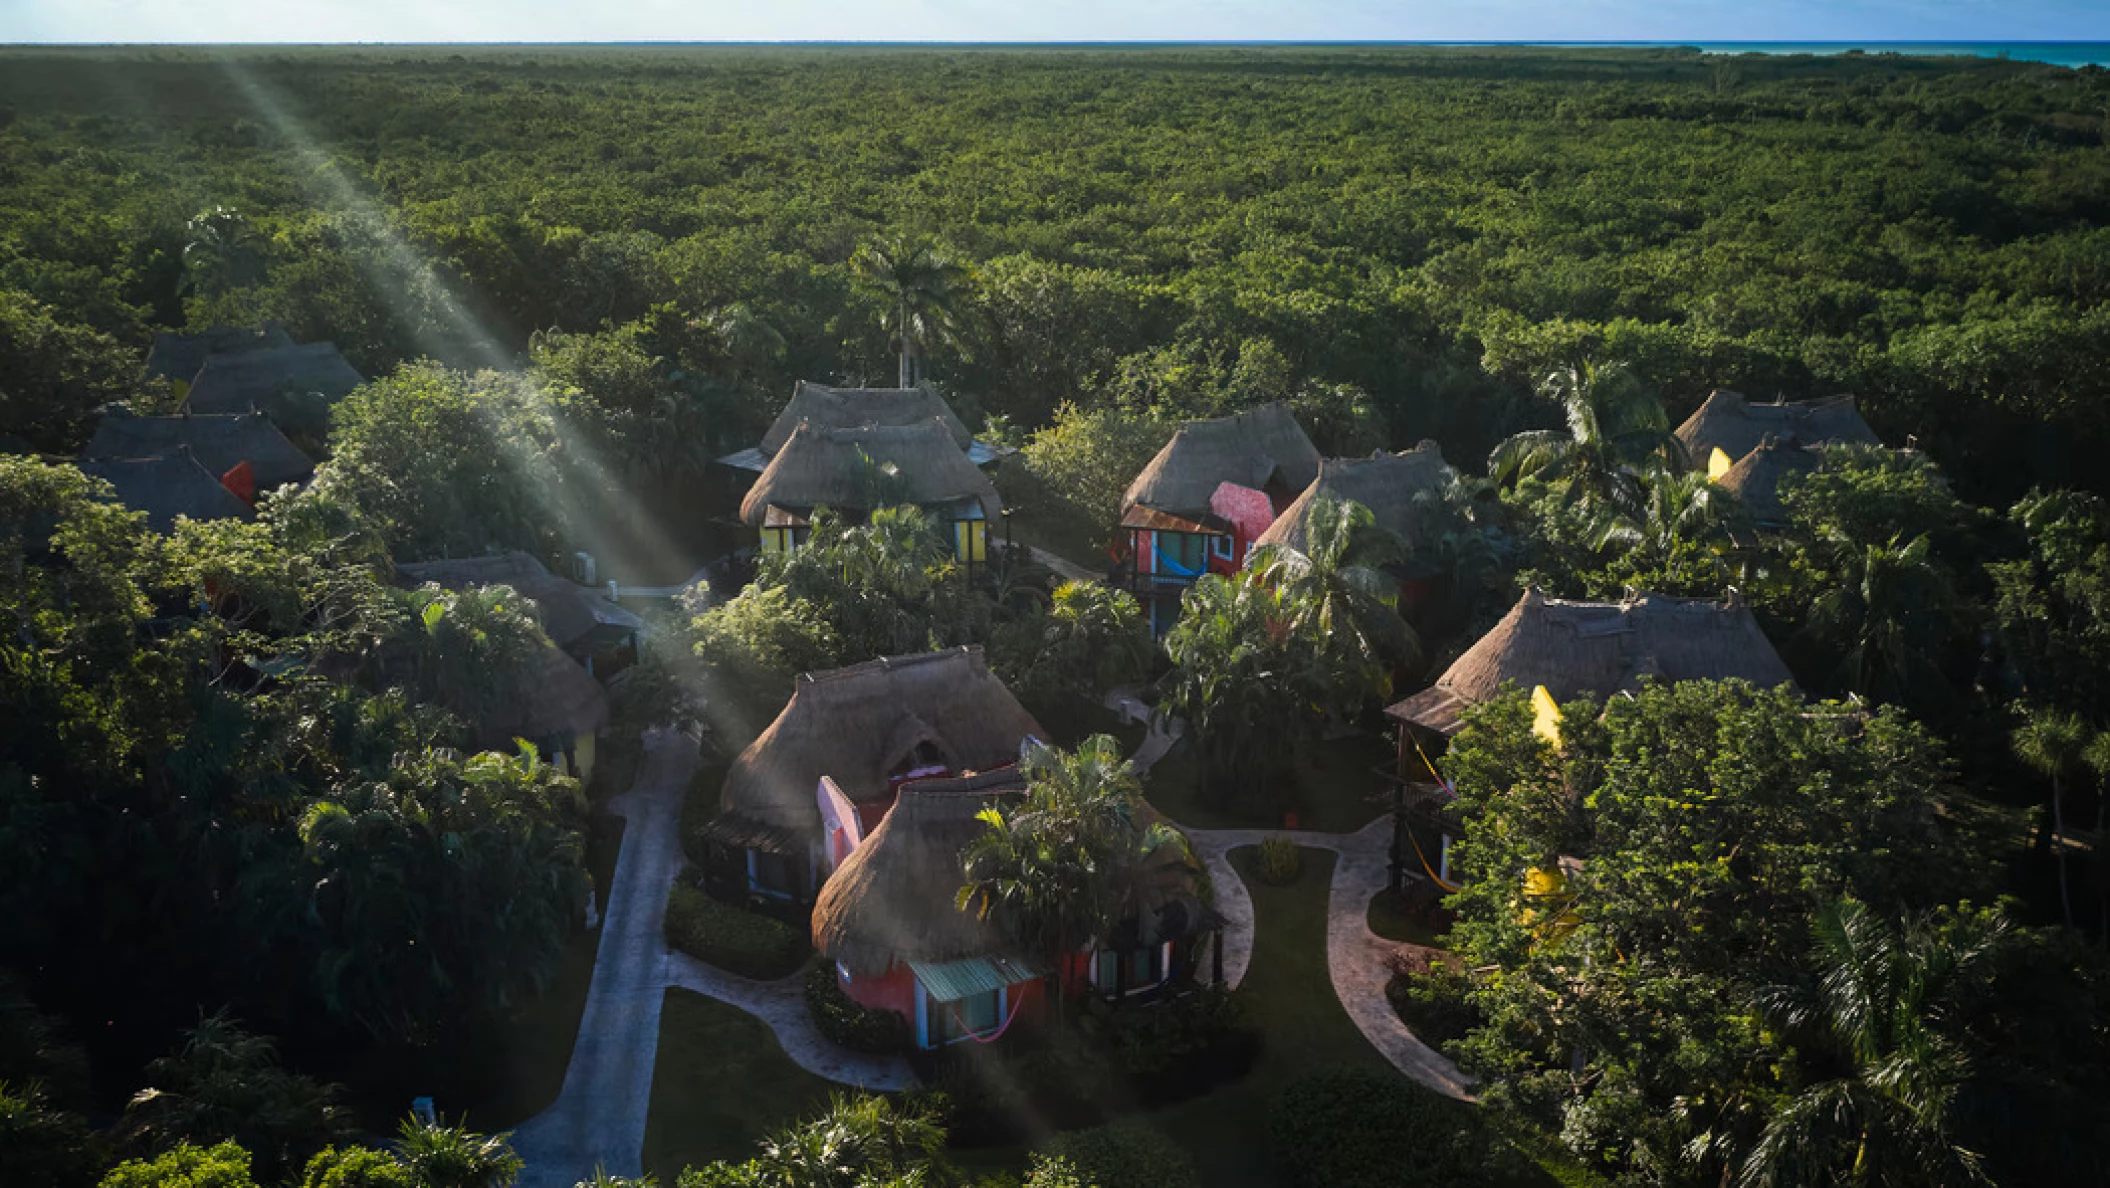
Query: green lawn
1334	793
721	1084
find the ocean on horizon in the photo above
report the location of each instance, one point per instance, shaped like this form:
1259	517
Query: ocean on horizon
2056	53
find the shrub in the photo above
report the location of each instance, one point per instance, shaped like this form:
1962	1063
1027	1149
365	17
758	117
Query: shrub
1183	1046
1281	861
1125	1154
847	1023
1430	998
741	942
1362	1129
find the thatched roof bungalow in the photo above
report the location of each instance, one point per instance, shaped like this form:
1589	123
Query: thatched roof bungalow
1397	488
856	471
168	486
1734	426
864	729
1756	477
219	443
1598	648
294	385
859	408
177	356
593	630
1207	496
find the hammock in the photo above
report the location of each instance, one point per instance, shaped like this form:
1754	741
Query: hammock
990	1037
1433	876
1174	567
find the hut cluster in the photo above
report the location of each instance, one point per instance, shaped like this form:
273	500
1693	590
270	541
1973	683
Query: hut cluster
858	803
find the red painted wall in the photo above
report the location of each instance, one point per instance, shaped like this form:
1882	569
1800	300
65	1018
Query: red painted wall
895	990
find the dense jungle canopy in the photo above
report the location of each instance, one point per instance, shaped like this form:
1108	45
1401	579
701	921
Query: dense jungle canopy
1427	226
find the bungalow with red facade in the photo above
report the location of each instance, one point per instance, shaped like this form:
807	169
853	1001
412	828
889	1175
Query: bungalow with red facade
853	737
889	918
1207	497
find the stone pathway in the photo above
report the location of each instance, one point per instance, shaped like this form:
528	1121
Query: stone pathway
1355	956
1064	568
1161	732
598	1119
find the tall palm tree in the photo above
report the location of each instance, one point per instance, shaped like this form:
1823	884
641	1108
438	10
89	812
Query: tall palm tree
924	287
1615	431
862	1140
442	1156
219	252
1875	1020
1886	617
1076	857
1335	591
2060	746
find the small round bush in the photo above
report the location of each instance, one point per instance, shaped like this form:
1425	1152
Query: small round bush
1364	1129
1281	861
1125	1154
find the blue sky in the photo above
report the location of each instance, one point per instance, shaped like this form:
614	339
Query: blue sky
1063	20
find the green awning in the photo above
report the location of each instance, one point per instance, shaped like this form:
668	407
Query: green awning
951	981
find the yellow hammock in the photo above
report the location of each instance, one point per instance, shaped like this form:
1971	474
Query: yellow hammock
1433	876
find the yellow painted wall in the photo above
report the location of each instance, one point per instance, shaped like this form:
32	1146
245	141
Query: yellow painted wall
1546	716
1718	464
582	757
970	540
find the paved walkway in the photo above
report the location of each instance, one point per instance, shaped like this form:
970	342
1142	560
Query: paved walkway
1161	733
598	1119
1355	956
1064	568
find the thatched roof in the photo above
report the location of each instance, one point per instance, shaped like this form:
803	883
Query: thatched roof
893	898
283	382
1735	426
857	408
1755	479
169	486
179	356
1599	648
219	443
557	697
572	614
858	725
1262	448
842	468
1387	484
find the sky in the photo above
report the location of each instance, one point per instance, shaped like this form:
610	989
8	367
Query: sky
1062	20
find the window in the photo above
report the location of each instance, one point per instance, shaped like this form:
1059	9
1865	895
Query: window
771	874
977	1014
1221	546
1145	968
1182	554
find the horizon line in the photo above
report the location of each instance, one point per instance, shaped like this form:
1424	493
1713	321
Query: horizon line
1520	43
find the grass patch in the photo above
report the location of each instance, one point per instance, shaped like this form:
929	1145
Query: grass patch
1333	790
722	1083
1071	720
1394	918
503	1072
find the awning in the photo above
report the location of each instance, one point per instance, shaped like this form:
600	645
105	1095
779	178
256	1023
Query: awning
951	981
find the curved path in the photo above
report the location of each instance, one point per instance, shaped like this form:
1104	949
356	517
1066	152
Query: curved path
598	1119
1355	956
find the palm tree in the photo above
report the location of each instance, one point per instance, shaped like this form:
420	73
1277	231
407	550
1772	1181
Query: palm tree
1886	617
442	1156
1874	1018
1335	591
2058	745
1238	681
923	286
218	252
1615	431
1075	858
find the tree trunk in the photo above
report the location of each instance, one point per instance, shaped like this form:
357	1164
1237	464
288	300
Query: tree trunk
908	367
2058	841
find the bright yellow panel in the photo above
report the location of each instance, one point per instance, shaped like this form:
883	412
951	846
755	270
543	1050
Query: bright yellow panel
1546	716
1718	464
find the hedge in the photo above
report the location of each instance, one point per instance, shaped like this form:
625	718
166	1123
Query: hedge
848	1024
737	941
1364	1129
1125	1154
